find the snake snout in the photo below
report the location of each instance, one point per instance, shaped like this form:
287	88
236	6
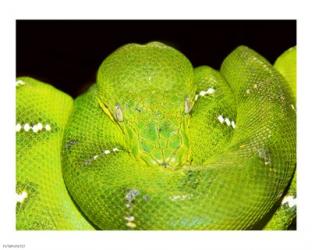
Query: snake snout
162	143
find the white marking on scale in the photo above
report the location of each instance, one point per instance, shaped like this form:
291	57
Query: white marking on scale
40	126
19	82
47	127
289	200
131	224
27	127
18	127
227	121
180	197
233	124
210	91
21	197
220	118
35	128
129	218
202	93
106	152
131	194
248	91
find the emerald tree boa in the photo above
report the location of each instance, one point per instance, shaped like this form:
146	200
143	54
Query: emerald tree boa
158	145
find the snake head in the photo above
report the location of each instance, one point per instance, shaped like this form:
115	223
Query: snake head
146	90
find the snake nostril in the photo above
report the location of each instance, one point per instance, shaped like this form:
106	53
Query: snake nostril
164	164
138	109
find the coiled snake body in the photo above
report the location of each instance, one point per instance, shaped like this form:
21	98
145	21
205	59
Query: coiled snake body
156	144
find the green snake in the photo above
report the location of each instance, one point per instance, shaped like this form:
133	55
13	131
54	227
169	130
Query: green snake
156	144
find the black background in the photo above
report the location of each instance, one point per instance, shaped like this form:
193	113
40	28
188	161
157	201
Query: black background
67	54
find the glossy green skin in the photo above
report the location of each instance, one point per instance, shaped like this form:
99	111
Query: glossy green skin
286	64
284	215
38	160
143	150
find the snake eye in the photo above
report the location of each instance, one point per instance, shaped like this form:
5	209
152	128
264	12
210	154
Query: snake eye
118	113
187	105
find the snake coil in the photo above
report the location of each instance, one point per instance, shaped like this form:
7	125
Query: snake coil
156	144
